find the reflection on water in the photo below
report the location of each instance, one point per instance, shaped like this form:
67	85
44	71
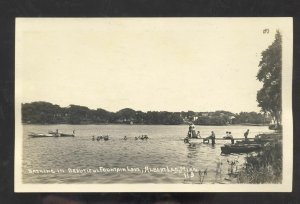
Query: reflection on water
163	158
193	150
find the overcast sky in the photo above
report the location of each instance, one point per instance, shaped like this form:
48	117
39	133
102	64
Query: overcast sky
145	64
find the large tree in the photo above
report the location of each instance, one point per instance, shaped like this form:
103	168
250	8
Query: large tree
269	96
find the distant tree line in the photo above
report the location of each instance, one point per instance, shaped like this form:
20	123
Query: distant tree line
47	113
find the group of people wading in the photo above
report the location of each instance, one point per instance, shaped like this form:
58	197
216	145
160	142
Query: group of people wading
106	137
141	137
192	134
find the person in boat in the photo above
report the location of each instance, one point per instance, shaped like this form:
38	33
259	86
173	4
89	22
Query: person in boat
93	138
125	137
246	135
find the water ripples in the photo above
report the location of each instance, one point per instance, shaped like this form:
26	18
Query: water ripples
164	148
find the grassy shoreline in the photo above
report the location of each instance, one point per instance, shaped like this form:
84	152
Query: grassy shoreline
265	167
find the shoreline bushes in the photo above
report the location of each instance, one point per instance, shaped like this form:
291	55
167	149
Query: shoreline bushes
265	167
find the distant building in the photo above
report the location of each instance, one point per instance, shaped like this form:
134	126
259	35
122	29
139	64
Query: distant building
231	119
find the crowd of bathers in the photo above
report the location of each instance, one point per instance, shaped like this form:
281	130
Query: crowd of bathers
101	137
106	137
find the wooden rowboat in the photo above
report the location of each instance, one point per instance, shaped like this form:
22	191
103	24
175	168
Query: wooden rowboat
240	148
42	135
51	134
66	135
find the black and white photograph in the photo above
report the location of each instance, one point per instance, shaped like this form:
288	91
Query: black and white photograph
153	104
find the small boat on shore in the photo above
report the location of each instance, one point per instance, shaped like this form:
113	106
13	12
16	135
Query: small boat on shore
240	148
273	137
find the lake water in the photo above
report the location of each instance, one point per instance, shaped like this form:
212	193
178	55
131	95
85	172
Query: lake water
80	160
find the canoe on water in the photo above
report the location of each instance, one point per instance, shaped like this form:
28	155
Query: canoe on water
42	135
51	134
60	134
66	135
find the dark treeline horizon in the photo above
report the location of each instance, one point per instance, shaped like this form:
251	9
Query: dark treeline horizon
41	112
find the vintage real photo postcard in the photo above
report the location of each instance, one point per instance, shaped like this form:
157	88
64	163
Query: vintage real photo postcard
153	105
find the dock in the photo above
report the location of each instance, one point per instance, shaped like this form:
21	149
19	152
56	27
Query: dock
206	140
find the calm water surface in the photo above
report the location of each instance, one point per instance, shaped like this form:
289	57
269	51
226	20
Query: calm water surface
164	149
